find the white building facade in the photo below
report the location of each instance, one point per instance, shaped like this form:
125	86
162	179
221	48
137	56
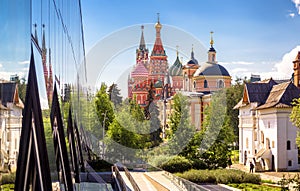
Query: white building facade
10	124
266	135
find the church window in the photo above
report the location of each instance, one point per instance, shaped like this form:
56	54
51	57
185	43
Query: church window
289	163
213	58
220	84
267	143
288	145
205	84
194	84
255	136
262	137
247	143
273	144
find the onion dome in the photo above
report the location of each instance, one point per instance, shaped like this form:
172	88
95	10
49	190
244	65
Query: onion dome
211	69
139	70
176	68
158	84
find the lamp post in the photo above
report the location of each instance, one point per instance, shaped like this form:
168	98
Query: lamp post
103	133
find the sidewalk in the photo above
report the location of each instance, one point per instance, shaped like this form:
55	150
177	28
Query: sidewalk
273	176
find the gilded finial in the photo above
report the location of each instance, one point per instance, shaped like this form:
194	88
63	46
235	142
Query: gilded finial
177	50
192	47
211	38
157	17
142	27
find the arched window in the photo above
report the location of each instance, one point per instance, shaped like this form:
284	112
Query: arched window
220	84
205	84
267	143
288	145
289	163
262	137
247	143
194	84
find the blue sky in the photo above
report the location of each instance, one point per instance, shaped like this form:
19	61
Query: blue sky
250	36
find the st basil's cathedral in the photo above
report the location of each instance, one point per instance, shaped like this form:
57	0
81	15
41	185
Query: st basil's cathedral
152	73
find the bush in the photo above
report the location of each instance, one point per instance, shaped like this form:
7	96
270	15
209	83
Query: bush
8	178
199	164
177	164
157	161
222	176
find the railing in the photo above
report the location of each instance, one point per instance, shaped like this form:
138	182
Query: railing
120	182
132	181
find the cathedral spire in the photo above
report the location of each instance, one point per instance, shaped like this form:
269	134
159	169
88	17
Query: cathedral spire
35	33
211	52
142	42
158	49
211	39
44	57
192	53
50	80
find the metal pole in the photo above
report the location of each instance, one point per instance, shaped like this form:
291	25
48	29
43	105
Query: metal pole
103	133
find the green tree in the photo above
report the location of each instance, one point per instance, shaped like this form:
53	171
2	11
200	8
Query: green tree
128	132
233	96
155	126
22	88
104	107
217	133
114	95
295	117
181	129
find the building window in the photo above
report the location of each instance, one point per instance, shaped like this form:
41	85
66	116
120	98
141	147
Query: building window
194	84
273	144
220	84
247	143
267	143
205	84
269	124
255	136
262	137
289	163
288	145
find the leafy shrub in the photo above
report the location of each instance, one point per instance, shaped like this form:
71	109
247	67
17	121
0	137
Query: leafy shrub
223	176
199	164
157	161
177	164
8	178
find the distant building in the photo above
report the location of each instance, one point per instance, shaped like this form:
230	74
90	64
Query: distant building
196	81
254	78
266	135
10	123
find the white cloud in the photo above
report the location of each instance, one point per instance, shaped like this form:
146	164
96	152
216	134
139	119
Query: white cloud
286	64
297	5
282	69
236	63
292	15
24	62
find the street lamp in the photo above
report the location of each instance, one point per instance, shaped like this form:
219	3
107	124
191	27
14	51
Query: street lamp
103	133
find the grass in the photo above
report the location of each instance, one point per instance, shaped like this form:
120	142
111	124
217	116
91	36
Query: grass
249	186
219	176
7	187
